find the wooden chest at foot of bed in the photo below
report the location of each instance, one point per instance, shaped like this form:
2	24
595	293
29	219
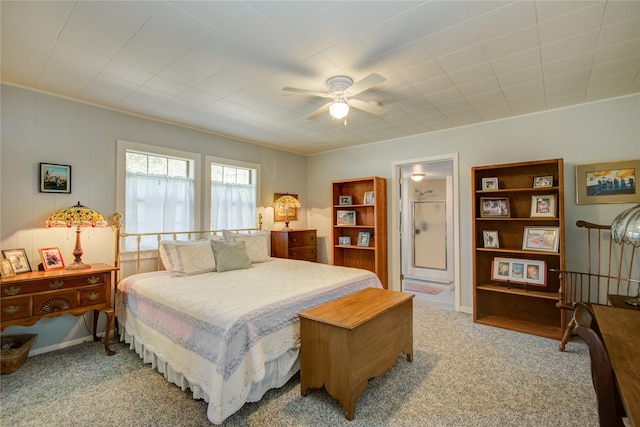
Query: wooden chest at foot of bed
348	341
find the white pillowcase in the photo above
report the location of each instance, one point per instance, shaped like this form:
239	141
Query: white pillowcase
256	243
188	257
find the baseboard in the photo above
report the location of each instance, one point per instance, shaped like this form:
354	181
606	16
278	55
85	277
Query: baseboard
63	344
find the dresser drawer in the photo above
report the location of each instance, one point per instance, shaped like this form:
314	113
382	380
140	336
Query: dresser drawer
306	253
93	295
15	308
302	238
51	284
54	302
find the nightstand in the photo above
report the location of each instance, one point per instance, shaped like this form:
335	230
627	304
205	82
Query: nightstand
294	244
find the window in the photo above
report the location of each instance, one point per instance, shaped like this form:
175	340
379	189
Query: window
233	197
157	190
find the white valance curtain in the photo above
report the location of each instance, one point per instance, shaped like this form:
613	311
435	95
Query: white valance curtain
233	206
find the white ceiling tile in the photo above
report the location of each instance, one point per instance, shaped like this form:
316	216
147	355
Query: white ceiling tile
24	54
451	40
145	99
628	49
480	72
549	10
582	21
481	87
182	74
421	72
631	65
624	31
568	80
582	43
46	18
461	59
166	86
68	81
108	89
521	76
526	89
568	65
126	72
64	54
617	11
508	19
519	61
512	43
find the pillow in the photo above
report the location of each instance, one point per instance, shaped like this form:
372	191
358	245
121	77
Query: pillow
166	248
187	258
257	244
230	256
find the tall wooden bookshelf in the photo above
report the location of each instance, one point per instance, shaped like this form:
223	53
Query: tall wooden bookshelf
524	307
362	216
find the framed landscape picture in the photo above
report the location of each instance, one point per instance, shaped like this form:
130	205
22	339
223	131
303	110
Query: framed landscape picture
346	218
541	239
55	178
612	182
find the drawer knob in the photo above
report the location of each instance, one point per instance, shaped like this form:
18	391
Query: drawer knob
93	280
57	284
12	291
93	296
294	239
11	309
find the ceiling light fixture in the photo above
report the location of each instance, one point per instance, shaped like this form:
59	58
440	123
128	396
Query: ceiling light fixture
339	109
417	177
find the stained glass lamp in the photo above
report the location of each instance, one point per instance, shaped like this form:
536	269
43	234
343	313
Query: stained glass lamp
286	202
77	216
626	229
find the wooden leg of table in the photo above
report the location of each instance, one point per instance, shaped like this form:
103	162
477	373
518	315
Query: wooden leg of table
107	330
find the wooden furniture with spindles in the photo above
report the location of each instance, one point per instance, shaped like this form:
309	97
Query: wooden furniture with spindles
348	341
28	297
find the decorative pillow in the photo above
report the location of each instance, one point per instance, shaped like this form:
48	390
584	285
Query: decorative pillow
188	257
256	243
230	256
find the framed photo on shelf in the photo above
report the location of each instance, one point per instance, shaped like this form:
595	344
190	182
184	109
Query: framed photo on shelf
369	197
345	200
541	239
494	206
6	269
55	178
363	238
51	258
344	240
515	270
18	259
543	181
612	182
346	218
490	183
490	238
543	206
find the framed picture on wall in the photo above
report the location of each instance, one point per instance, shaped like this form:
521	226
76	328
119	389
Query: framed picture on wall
55	178
612	182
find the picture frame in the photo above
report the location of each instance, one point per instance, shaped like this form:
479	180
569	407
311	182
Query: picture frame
279	214
6	269
609	182
19	260
369	197
346	218
345	200
490	183
344	240
543	181
494	207
546	239
543	206
55	178
51	258
490	239
515	270
363	238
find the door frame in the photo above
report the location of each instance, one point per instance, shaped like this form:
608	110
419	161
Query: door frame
396	258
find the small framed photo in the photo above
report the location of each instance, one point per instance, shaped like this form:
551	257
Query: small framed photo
543	206
526	271
489	183
55	178
363	238
543	181
345	200
51	258
18	259
369	197
344	240
490	238
6	269
541	239
494	206
346	218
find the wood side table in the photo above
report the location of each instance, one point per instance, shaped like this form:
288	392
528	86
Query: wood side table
347	341
294	244
28	297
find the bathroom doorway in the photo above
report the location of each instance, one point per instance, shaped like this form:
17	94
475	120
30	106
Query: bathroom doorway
426	214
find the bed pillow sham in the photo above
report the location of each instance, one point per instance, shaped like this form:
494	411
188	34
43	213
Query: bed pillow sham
188	258
256	243
230	256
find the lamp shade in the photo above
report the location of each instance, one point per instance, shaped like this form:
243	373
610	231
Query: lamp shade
286	202
76	216
626	227
339	109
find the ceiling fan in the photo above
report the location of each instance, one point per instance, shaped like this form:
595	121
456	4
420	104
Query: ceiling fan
341	91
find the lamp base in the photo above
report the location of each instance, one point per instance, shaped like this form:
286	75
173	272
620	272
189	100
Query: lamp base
77	266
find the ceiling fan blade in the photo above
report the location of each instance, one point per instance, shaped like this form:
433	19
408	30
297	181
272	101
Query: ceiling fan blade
374	109
364	84
319	111
306	92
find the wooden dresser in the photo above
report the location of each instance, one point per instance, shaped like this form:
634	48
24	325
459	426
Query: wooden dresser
28	297
294	244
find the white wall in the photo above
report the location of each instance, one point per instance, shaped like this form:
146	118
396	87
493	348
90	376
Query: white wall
591	133
41	128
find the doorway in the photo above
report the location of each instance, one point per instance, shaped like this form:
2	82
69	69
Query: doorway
425	213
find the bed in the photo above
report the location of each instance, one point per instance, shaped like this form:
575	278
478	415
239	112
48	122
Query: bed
227	330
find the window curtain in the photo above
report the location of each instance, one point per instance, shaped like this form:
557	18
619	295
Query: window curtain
232	206
157	204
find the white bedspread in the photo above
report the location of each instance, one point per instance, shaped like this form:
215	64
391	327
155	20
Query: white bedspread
230	336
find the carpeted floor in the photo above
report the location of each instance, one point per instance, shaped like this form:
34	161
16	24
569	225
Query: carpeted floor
463	374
